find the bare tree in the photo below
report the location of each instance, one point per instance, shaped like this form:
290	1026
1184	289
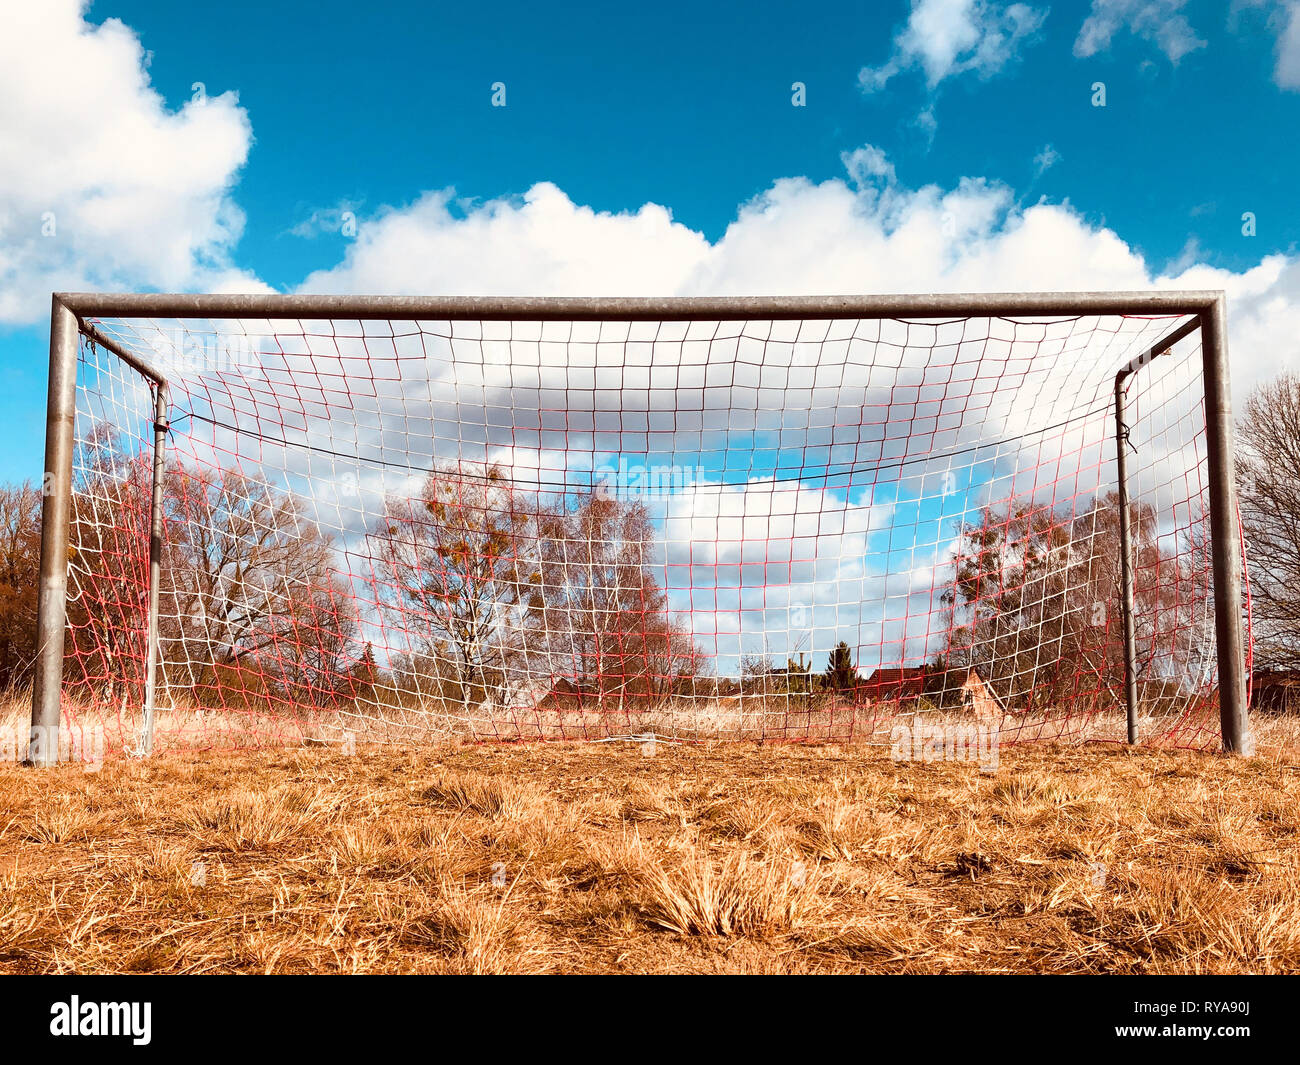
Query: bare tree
20	552
243	571
1268	475
597	615
243	577
108	555
1035	605
321	660
455	565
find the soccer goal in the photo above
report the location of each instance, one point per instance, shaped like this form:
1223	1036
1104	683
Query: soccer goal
337	519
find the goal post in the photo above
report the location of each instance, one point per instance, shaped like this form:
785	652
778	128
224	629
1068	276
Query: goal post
271	518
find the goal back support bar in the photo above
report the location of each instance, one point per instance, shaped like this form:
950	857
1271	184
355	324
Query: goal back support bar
73	314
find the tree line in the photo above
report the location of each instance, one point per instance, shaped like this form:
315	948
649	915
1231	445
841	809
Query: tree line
475	586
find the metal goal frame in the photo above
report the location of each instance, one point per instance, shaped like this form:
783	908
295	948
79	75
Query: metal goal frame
73	314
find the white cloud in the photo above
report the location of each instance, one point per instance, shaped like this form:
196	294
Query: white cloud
950	37
1161	22
927	124
797	237
1263	318
1282	19
1287	71
870	234
159	213
101	184
339	219
539	244
1045	160
779	567
868	166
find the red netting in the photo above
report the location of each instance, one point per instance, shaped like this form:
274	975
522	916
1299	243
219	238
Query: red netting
750	529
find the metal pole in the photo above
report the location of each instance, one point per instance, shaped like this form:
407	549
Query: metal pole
155	563
207	306
1127	594
1128	591
56	517
1224	539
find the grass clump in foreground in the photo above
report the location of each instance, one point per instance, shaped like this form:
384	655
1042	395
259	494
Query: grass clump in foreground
710	858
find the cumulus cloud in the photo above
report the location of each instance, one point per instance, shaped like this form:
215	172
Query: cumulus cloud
1160	22
1263	317
797	237
101	184
945	38
540	244
869	232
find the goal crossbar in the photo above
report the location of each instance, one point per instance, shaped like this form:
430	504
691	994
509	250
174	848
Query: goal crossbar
623	308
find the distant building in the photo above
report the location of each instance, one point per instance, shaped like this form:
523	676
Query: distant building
896	684
1275	691
978	699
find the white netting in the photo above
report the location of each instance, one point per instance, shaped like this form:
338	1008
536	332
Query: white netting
794	529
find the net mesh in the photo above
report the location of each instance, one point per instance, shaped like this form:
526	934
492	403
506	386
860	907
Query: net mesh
399	530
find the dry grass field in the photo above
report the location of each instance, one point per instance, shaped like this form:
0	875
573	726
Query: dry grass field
699	858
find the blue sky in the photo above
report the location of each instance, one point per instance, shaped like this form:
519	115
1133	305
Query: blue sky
365	107
688	105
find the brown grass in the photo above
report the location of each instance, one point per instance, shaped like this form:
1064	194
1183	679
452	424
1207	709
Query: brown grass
114	730
705	858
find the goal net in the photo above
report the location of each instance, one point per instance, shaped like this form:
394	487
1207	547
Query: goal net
521	527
